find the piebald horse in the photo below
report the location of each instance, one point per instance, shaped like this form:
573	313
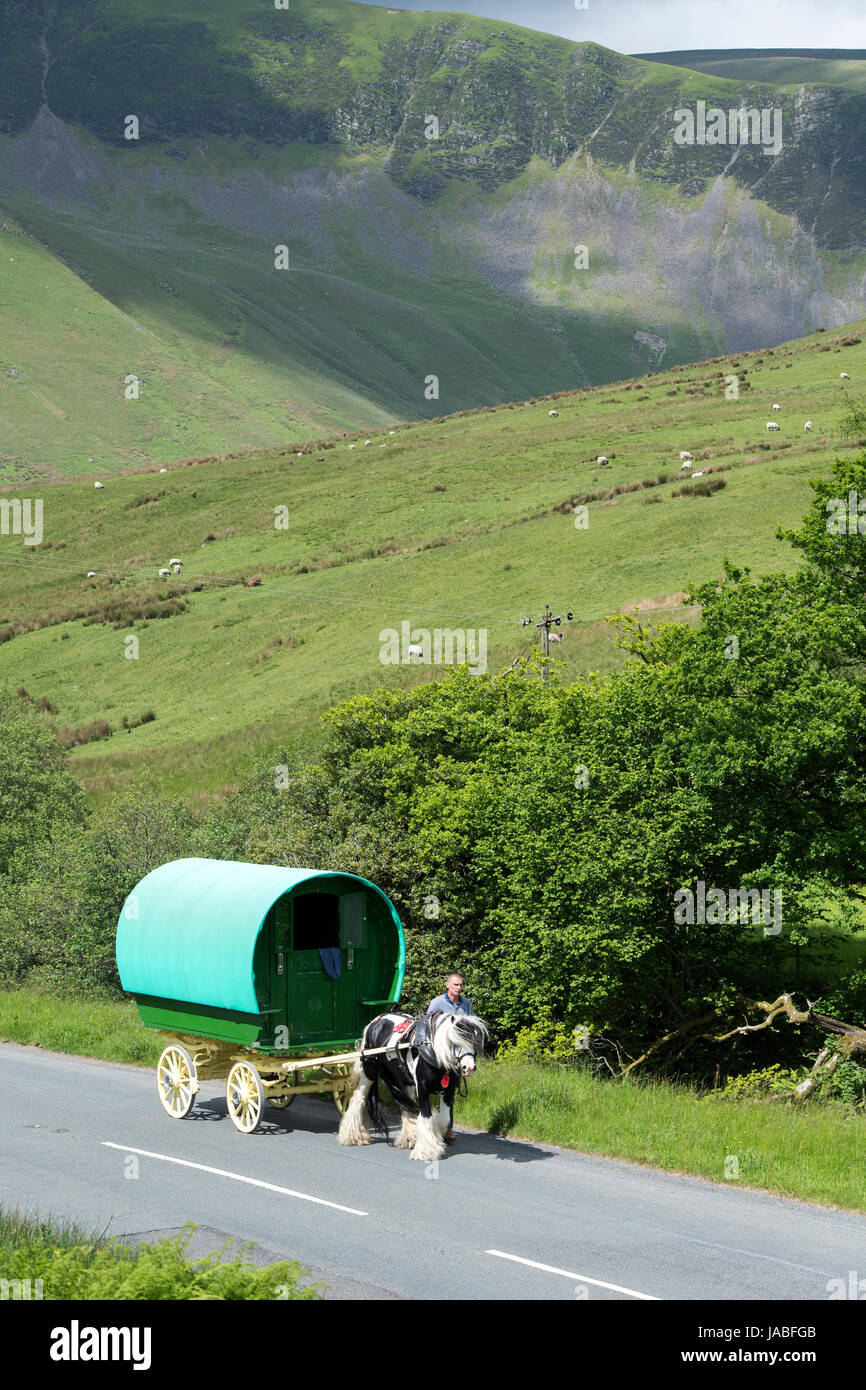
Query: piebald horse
442	1051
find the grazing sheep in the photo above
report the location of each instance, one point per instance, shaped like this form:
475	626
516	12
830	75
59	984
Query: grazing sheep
98	484
416	653
351	446
367	441
555	637
777	407
602	458
91	574
175	561
163	470
808	425
164	573
684	454
553	412
383	446
844	376
684	465
390	431
771	425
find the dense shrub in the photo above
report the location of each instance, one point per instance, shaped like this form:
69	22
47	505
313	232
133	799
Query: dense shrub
37	792
57	928
111	1270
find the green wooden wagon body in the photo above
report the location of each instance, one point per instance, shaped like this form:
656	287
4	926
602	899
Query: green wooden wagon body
261	975
283	961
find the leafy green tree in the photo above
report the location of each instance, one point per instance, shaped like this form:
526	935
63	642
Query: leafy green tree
58	927
37	791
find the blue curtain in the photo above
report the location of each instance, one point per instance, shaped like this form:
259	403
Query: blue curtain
331	961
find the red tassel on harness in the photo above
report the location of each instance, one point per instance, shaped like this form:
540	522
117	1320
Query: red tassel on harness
446	1082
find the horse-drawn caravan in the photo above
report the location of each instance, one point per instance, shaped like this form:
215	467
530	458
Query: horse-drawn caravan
263	975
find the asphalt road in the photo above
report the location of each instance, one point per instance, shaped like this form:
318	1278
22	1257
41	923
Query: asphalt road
495	1219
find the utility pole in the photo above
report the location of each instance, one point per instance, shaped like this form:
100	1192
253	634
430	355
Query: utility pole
547	621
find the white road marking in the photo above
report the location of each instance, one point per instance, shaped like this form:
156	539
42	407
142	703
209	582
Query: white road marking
238	1177
580	1278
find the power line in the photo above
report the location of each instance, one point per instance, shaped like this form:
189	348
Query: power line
547	621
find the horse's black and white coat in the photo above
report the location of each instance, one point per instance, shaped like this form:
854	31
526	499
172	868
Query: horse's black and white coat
443	1051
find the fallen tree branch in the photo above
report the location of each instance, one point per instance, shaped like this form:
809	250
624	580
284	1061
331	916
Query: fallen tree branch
852	1038
676	1033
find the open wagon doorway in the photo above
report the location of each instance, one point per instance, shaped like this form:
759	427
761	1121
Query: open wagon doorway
329	971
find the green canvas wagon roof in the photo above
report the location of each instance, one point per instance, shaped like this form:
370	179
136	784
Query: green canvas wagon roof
188	929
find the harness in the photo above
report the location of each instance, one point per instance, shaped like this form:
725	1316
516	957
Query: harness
418	1032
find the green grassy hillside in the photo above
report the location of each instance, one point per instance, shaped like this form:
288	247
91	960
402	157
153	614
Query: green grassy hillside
64	372
462	522
828	67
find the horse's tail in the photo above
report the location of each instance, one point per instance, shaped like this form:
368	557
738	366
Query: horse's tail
378	1117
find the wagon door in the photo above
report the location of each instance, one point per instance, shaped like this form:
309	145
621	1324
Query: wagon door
353	953
309	988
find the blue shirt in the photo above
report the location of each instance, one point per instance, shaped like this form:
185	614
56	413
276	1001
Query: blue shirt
443	1004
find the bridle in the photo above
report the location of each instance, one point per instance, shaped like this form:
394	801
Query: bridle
467	1052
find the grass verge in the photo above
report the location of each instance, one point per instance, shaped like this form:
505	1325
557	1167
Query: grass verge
108	1029
813	1154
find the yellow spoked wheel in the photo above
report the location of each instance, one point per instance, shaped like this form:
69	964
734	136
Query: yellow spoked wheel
245	1098
280	1102
175	1081
340	1100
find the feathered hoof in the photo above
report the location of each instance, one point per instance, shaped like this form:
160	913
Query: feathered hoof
426	1153
352	1134
406	1138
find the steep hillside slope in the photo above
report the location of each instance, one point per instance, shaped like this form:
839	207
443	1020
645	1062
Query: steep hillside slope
410	258
68	362
295	563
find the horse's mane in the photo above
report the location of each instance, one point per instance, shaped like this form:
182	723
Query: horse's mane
446	1036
